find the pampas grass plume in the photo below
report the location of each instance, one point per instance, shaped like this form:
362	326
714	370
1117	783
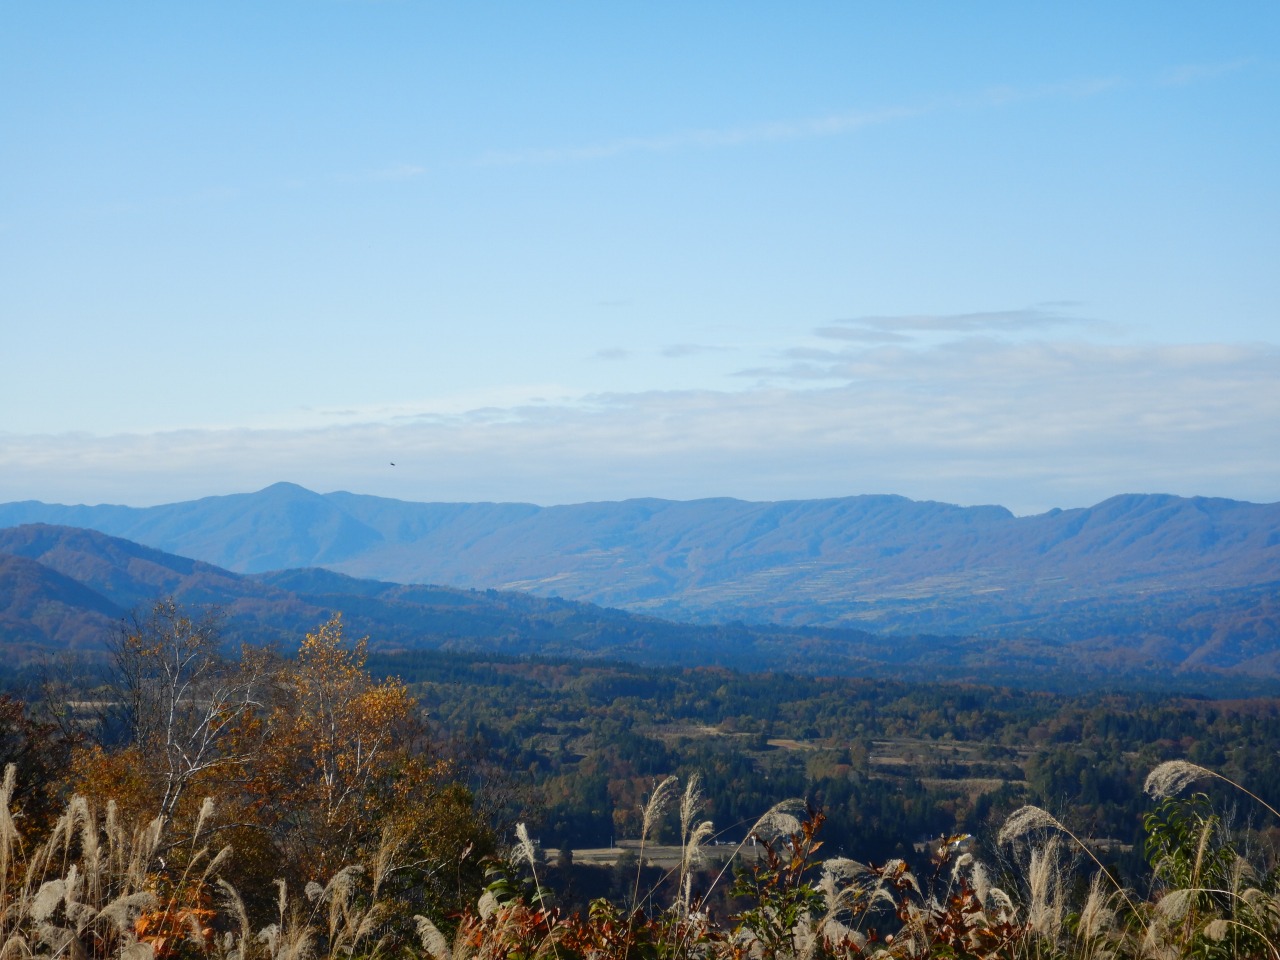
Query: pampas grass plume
1172	777
1024	820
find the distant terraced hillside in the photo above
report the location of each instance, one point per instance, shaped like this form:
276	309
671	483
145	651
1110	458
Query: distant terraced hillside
880	561
69	588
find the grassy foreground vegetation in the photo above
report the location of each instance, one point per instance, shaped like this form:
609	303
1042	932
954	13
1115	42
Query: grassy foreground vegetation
285	808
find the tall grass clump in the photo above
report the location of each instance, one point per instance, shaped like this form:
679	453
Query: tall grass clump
95	887
1206	899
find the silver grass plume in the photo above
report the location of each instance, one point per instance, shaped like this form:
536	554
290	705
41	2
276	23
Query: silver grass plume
693	846
1024	820
524	849
1003	903
288	939
293	942
1202	847
117	842
1175	904
432	940
658	801
980	880
206	811
690	804
1029	818
123	910
780	820
487	905
218	860
233	903
844	867
1217	929
146	843
48	898
56	938
527	851
91	853
389	846
1172	777
839	901
138	950
9	837
1096	915
650	812
1044	912
898	865
340	894
691	837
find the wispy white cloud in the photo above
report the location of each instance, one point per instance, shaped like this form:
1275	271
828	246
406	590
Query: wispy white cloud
677	350
1191	73
612	353
1078	89
846	122
1029	319
1029	425
805	128
399	171
861	334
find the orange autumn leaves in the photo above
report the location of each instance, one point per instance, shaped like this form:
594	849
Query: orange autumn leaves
331	753
311	762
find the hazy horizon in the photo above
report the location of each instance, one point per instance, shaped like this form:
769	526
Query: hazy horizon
882	493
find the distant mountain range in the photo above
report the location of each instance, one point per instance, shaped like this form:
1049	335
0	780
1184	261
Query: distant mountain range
69	588
880	562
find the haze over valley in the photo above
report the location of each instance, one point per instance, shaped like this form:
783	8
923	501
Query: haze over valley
1144	584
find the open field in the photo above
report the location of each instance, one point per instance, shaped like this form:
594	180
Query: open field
666	856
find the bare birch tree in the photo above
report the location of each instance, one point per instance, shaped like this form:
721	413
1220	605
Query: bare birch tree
180	697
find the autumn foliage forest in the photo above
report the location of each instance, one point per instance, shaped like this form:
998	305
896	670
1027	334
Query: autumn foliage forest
184	800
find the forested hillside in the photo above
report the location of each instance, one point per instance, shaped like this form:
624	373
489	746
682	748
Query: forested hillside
64	587
890	763
1194	572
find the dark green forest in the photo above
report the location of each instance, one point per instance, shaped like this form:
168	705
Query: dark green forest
891	764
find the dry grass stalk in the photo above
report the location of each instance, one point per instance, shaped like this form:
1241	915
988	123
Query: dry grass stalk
433	941
769	825
1174	776
1028	819
91	884
1097	921
650	813
692	837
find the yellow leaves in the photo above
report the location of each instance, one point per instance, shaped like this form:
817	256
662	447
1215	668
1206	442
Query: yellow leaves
312	764
117	776
322	653
334	745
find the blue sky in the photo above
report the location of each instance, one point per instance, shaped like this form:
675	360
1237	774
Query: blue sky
1012	253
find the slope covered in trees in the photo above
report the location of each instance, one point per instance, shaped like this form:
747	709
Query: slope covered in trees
880	562
65	585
